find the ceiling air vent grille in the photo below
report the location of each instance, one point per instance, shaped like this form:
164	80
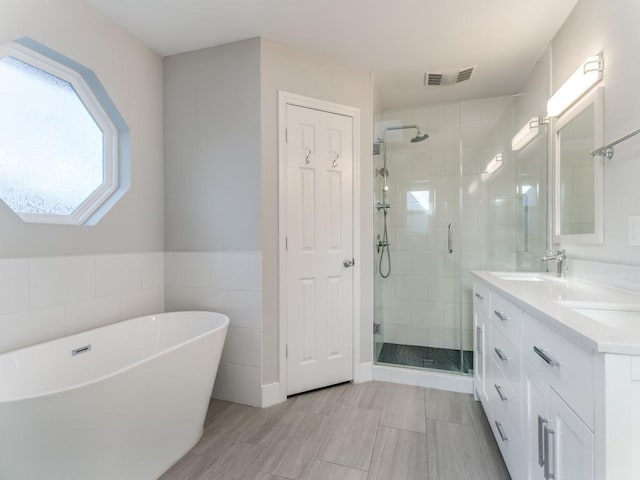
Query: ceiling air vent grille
464	74
449	77
433	78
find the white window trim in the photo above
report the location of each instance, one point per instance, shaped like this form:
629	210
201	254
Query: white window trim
110	135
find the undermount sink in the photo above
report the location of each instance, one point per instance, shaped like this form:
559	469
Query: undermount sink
604	306
620	316
623	320
520	277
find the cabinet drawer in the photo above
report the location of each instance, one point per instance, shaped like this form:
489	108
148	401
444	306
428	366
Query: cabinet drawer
508	316
566	367
506	419
507	356
482	298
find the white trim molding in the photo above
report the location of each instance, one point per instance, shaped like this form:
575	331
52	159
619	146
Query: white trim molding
271	394
424	378
363	373
92	95
284	99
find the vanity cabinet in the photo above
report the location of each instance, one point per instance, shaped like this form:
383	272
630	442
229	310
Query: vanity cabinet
558	444
564	366
481	308
505	417
537	389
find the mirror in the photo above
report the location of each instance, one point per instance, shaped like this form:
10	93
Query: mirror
579	187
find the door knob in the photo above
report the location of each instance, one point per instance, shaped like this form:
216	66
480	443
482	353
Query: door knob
348	262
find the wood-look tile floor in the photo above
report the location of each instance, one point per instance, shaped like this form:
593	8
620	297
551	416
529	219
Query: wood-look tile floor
372	430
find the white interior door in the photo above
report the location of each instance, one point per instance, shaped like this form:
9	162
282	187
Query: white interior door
319	246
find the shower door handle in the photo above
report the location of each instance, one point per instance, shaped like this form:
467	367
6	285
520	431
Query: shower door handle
449	239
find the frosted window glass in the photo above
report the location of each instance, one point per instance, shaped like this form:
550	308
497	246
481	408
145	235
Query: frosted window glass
418	201
51	149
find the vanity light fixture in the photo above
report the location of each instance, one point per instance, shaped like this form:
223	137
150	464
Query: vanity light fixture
527	133
585	77
494	164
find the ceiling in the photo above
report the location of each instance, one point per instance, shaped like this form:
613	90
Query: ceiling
398	40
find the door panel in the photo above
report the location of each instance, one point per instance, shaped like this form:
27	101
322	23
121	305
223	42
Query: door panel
319	217
308	211
574	455
536	416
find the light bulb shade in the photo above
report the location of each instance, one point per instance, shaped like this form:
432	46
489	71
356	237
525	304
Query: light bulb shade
526	134
585	77
494	164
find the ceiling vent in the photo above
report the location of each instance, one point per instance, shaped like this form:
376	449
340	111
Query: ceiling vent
449	77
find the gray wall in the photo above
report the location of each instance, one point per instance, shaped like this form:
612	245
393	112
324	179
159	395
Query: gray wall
609	26
221	157
132	75
304	73
212	148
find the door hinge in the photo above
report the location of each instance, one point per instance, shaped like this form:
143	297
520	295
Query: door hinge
377	329
286	243
286	351
286	135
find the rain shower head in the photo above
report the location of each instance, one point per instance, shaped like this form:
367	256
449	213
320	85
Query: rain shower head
418	138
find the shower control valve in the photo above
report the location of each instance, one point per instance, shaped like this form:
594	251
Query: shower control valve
380	245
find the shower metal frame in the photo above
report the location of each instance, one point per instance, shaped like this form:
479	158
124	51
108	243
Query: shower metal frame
383	244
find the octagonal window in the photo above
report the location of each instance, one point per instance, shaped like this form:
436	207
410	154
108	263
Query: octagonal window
62	141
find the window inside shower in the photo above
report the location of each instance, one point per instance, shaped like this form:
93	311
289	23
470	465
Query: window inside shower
445	214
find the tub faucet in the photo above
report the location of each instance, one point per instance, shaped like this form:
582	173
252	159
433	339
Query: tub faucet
561	259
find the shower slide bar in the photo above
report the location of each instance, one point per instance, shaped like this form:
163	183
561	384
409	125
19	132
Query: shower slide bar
607	150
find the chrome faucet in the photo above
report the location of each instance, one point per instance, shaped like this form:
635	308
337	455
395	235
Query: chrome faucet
560	257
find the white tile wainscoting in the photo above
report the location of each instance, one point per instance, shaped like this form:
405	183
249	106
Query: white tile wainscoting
229	283
43	298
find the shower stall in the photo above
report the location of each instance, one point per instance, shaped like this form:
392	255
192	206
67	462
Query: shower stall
382	246
450	200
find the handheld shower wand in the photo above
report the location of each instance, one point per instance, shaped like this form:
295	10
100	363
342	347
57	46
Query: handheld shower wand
382	244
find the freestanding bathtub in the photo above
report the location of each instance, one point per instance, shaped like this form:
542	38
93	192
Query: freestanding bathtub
121	402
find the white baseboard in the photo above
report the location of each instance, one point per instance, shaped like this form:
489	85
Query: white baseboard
271	394
363	373
423	378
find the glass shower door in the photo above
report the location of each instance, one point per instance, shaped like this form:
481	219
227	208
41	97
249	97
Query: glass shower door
460	201
418	305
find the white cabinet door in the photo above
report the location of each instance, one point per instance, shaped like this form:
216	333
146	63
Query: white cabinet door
535	418
558	444
570	443
481	344
319	225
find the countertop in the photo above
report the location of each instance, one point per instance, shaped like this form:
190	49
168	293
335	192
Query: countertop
600	318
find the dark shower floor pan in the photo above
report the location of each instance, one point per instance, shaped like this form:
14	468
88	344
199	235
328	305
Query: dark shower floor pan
426	357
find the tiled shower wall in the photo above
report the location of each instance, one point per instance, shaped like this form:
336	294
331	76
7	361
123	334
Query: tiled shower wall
427	299
49	297
229	283
420	300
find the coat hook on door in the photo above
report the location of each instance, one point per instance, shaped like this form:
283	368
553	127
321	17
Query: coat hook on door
306	159
334	164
